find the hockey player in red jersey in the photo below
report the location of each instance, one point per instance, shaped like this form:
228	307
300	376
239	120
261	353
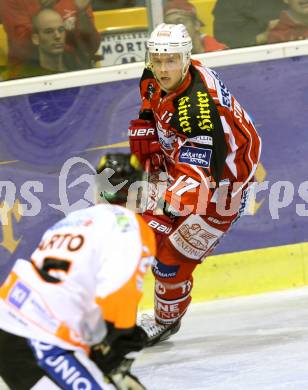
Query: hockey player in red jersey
203	146
68	316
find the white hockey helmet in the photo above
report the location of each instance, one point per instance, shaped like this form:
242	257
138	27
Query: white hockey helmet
170	38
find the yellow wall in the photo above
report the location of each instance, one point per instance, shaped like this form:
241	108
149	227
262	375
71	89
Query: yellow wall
245	273
137	17
204	11
130	18
3	46
125	18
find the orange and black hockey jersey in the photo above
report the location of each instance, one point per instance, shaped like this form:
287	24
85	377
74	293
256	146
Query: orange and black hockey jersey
207	138
88	269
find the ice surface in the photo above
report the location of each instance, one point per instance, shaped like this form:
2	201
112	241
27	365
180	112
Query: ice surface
255	343
258	342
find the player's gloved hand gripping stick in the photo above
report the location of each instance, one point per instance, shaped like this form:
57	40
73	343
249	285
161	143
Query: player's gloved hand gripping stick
144	143
112	356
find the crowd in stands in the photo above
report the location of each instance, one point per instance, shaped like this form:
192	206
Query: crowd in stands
50	36
182	11
33	34
292	24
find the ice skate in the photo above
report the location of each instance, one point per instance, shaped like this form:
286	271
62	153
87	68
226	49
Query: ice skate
157	332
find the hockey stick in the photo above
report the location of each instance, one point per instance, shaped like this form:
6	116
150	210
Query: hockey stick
147	170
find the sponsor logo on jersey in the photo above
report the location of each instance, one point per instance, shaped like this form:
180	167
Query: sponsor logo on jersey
237	109
217	221
63	367
160	288
240	113
202	139
123	221
141	132
244	204
164	308
195	156
71	222
164	33
159	227
193	111
194	237
224	95
166	137
164	271
184	104
19	295
205	121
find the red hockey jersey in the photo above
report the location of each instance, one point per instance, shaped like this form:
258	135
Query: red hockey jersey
207	138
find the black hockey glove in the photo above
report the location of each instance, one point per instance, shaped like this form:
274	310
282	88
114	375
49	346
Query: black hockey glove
122	378
118	343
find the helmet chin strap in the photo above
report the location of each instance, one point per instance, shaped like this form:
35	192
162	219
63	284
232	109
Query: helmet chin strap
185	71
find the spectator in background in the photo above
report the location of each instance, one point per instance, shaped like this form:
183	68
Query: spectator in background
183	12
48	35
293	23
82	37
240	23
